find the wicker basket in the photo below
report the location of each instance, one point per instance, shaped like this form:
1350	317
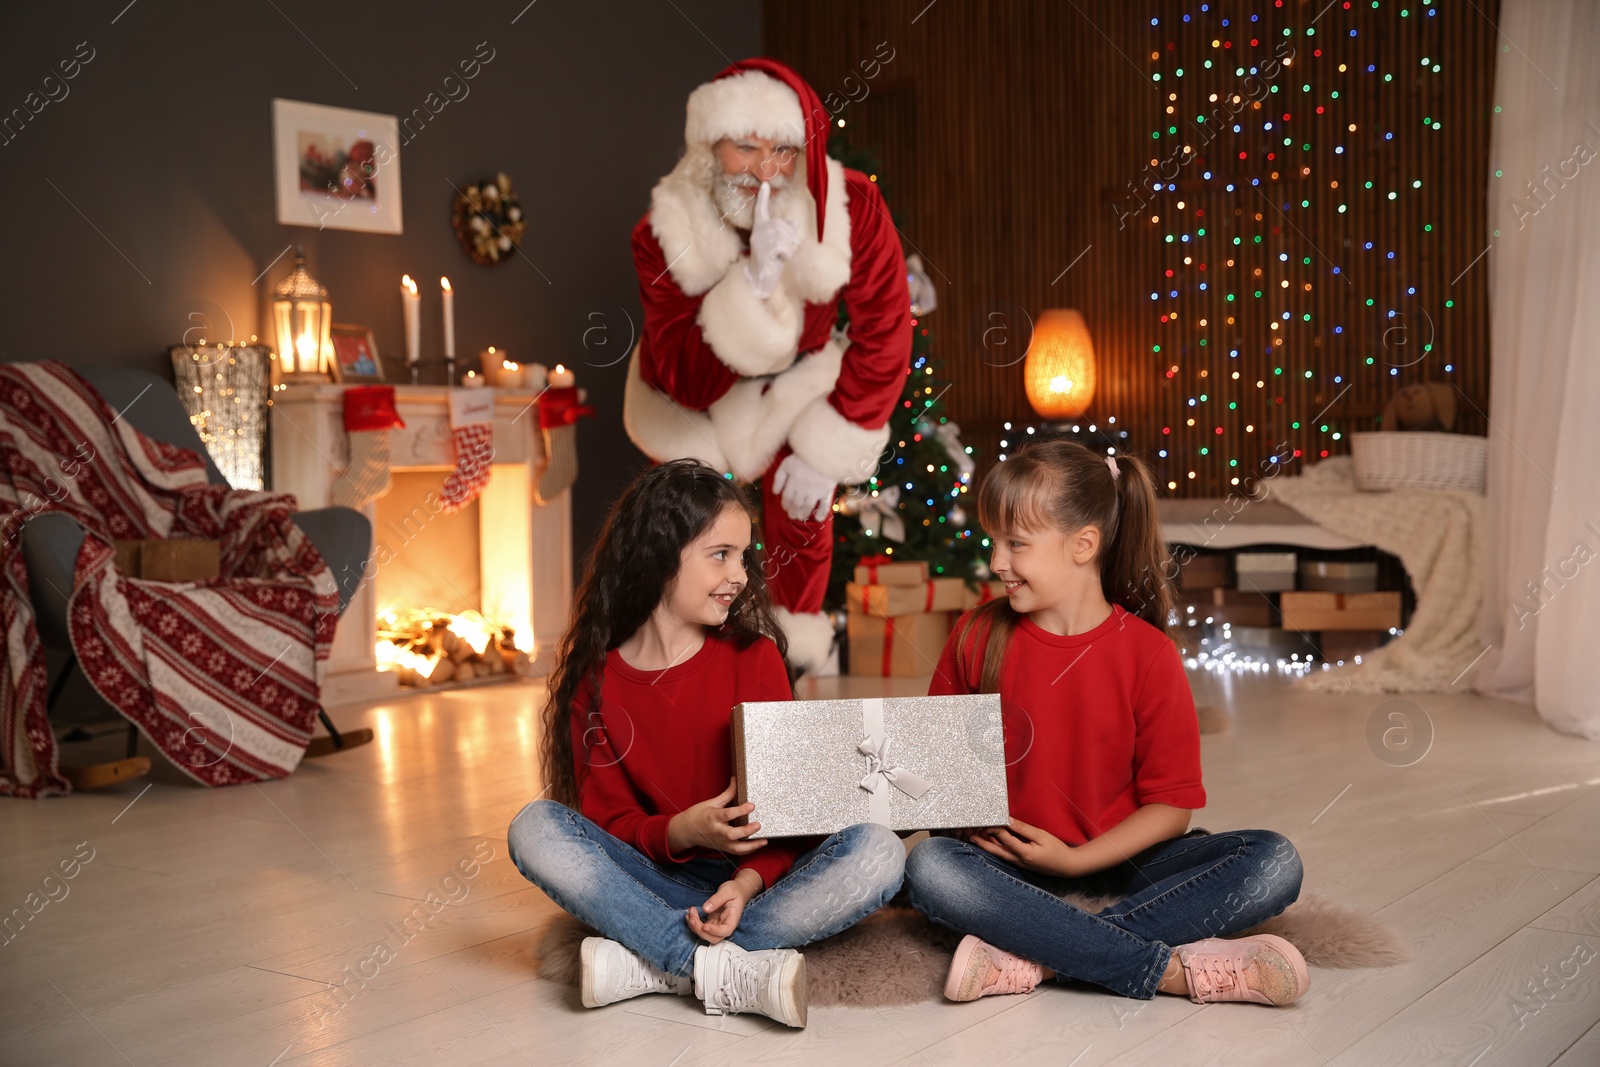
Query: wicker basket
1420	460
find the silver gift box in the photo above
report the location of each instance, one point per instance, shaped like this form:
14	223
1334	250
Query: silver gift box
910	763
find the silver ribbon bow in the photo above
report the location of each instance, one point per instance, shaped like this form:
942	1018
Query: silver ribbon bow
880	773
879	513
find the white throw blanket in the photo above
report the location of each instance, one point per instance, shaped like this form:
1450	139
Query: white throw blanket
1438	536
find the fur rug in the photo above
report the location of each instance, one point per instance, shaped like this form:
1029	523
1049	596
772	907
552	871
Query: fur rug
847	969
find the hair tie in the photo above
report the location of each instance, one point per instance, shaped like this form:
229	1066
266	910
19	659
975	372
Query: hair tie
1111	461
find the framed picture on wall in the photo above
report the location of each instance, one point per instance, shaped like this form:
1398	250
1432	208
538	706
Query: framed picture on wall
355	354
336	168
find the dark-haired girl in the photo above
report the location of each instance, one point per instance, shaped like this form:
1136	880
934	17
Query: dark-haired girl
672	627
1103	763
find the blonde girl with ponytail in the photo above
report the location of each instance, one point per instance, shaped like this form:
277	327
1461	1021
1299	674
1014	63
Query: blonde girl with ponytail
1103	763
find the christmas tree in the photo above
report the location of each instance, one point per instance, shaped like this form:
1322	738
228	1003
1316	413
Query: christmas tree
913	507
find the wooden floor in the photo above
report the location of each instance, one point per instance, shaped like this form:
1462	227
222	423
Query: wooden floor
289	923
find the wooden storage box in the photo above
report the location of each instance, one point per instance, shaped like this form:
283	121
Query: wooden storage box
1340	611
1264	572
1268	640
1204	570
1339	577
1238	609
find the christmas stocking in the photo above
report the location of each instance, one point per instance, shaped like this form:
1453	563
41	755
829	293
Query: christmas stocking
559	411
369	415
472	427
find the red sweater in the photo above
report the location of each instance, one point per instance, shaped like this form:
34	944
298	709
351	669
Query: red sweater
660	742
1097	724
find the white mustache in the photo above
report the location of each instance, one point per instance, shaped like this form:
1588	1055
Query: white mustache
750	181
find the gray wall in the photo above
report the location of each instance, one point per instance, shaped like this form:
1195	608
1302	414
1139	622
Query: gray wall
144	196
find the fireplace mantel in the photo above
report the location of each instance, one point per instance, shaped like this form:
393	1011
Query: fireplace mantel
530	542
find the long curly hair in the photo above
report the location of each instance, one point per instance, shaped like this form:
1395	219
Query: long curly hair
628	572
1057	482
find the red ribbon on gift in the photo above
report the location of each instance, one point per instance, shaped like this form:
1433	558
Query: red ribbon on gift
984	594
872	563
559	406
370	407
888	646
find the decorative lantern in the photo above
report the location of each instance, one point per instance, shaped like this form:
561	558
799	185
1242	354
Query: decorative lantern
1059	369
302	320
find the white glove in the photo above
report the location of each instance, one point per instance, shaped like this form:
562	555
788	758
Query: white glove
806	494
772	242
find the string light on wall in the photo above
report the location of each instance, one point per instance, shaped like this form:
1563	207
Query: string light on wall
1276	201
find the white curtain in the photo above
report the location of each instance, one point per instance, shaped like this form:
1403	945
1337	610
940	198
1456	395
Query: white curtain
1542	597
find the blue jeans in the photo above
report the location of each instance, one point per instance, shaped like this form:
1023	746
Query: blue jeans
1185	889
630	898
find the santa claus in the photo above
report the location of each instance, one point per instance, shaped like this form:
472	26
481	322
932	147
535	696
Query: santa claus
752	244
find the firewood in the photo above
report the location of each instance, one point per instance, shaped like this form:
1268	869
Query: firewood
443	671
465	672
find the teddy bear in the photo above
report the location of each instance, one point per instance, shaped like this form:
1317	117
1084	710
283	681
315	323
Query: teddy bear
1424	406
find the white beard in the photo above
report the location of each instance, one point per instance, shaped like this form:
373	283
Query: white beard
738	209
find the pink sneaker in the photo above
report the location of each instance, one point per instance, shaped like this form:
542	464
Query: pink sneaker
1265	969
980	970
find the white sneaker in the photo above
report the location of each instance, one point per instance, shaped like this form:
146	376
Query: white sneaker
771	982
612	972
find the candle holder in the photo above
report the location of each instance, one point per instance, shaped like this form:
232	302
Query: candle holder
449	369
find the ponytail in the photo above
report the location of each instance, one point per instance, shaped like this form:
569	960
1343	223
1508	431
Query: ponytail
1134	564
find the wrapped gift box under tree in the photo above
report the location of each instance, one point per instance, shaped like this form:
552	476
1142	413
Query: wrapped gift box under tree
899	646
909	763
881	570
935	594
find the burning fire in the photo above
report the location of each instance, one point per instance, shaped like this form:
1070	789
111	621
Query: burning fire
415	641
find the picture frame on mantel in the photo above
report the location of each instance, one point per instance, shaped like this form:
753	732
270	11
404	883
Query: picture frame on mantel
355	354
336	168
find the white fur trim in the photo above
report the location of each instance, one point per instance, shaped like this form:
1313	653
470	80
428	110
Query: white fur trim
698	244
843	450
819	269
748	104
740	433
753	419
810	637
752	335
661	429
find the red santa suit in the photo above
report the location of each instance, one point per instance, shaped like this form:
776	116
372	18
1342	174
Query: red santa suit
740	381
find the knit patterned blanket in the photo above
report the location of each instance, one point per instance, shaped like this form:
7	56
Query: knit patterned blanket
222	676
1438	536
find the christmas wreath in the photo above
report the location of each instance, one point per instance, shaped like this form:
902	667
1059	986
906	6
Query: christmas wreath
488	220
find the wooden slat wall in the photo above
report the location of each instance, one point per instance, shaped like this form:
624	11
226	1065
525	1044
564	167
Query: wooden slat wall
1009	134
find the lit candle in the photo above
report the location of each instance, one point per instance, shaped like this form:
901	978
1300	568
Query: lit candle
510	375
562	378
473	380
449	318
413	308
489	364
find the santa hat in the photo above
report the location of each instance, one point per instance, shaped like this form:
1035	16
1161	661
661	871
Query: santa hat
763	98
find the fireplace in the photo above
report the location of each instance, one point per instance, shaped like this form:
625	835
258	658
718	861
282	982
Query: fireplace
502	563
